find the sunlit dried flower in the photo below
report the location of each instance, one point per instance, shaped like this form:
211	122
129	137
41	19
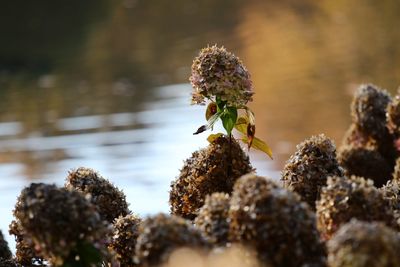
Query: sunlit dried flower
361	244
213	218
307	170
209	170
124	238
111	201
346	198
275	222
219	73
63	225
161	234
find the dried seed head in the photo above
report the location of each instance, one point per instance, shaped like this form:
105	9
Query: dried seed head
391	192
359	244
213	218
365	162
393	116
396	173
369	110
346	198
307	170
11	263
209	170
59	222
25	254
124	238
161	234
111	201
219	73
5	252
263	213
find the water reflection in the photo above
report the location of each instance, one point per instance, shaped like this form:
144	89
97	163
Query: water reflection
85	84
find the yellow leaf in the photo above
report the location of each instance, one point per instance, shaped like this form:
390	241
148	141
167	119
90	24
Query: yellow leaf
211	138
241	125
259	145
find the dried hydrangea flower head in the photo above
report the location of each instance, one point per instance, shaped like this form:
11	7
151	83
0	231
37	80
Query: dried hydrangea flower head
64	225
217	73
125	233
393	116
161	234
25	253
275	222
360	244
5	252
12	263
365	162
369	110
212	219
345	198
307	170
111	201
211	169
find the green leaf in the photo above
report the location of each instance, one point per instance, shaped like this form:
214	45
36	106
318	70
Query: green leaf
212	137
229	117
259	145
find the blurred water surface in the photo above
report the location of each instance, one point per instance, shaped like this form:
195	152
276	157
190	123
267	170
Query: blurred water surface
103	83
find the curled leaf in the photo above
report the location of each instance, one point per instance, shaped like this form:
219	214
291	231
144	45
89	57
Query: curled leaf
212	137
210	123
211	110
251	131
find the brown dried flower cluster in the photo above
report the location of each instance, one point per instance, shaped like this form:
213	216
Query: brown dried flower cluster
393	116
110	201
360	244
5	252
125	233
209	170
369	148
161	234
307	170
219	73
275	222
25	253
369	110
212	219
365	162
346	198
60	223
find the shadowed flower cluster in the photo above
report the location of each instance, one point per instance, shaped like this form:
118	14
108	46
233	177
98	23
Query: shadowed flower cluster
217	73
359	244
161	234
275	222
63	225
345	198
